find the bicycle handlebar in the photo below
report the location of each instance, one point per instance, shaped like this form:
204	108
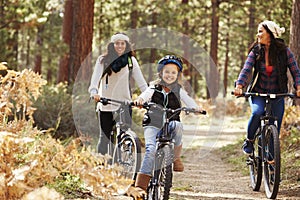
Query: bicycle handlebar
147	106
169	110
266	95
106	101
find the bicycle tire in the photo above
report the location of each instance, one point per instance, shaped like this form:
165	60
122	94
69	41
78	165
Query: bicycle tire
163	173
127	154
255	165
271	169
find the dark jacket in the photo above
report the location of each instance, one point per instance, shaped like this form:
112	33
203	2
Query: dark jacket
155	116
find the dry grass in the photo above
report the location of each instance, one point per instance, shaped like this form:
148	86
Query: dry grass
30	159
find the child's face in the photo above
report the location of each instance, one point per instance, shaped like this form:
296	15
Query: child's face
170	73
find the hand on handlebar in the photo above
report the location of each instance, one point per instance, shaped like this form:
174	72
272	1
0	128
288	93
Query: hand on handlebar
199	109
138	101
96	97
238	90
298	91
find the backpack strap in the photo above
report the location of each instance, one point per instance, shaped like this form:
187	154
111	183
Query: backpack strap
130	67
255	75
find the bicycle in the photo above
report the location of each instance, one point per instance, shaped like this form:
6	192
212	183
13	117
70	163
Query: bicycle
161	181
125	150
264	162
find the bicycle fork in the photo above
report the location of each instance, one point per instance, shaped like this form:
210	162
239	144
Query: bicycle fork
265	138
159	157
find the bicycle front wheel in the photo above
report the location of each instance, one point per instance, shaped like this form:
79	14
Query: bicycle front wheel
271	167
127	154
162	180
255	165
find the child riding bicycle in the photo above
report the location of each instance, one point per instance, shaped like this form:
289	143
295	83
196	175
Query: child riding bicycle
168	93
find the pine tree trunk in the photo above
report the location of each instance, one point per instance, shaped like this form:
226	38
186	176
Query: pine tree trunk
213	73
82	38
63	70
38	56
294	40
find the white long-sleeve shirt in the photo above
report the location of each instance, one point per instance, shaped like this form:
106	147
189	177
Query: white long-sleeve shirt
117	86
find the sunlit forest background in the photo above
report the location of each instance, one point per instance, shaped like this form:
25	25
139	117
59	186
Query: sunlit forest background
48	49
54	37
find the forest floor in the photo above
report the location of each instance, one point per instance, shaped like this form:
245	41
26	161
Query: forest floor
207	175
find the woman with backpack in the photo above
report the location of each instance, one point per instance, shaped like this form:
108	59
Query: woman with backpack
270	58
111	79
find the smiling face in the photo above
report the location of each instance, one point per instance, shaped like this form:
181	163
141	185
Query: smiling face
120	46
263	37
169	73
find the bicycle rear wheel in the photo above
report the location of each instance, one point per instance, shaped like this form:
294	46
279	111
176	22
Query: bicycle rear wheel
271	167
127	154
255	165
162	181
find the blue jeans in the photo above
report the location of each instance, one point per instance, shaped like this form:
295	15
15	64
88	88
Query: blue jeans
257	105
150	133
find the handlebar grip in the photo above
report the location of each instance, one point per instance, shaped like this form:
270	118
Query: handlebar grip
203	112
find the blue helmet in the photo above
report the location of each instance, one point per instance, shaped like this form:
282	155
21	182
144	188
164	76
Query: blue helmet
169	59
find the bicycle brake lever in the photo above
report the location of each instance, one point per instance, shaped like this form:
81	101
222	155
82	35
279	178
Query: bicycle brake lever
104	101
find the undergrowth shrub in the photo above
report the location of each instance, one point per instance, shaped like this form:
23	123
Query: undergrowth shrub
290	143
31	160
54	111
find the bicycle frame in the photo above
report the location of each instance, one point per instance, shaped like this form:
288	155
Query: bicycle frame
126	148
265	122
265	159
161	181
164	139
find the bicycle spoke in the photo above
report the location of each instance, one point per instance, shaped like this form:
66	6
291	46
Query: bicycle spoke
255	165
272	162
128	154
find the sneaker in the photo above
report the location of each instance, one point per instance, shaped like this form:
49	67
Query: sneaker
247	147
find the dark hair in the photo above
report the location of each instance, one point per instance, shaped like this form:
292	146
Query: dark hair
111	53
277	47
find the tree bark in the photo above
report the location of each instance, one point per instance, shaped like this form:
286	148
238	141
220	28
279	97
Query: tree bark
294	39
38	56
213	73
252	25
225	81
134	20
63	71
82	38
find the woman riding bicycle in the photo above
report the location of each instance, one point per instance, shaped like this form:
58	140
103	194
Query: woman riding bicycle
110	79
270	58
168	93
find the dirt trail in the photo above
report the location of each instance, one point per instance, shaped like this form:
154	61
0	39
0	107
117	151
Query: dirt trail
211	178
207	176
